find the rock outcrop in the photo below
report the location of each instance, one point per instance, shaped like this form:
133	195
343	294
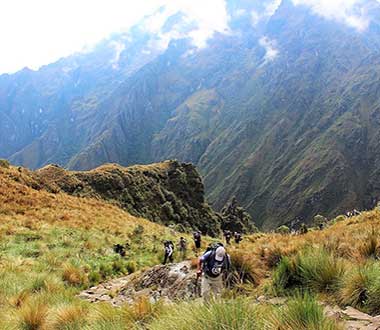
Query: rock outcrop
162	282
236	218
170	192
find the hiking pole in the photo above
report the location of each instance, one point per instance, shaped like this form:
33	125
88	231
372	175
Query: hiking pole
197	290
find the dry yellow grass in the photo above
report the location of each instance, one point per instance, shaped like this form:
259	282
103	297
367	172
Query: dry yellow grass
20	205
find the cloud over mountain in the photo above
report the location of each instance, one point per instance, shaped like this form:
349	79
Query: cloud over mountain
351	12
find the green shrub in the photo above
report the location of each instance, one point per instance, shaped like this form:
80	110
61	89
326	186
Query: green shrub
167	210
138	231
94	278
119	266
339	218
131	267
4	163
319	220
283	230
301	313
105	270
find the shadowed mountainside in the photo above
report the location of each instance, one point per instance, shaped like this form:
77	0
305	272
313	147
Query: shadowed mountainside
284	114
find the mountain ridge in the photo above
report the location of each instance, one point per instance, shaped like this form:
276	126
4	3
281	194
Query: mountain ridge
282	113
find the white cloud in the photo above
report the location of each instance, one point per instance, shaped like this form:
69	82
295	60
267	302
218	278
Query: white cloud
269	8
38	32
351	12
210	16
119	47
271	51
255	17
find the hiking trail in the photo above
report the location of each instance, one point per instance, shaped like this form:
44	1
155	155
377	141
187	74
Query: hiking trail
176	282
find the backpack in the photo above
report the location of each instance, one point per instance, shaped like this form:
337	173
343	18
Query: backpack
169	249
212	267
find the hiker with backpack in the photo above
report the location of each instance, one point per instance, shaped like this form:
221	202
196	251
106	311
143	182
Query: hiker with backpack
213	264
182	247
169	250
237	237
197	240
227	236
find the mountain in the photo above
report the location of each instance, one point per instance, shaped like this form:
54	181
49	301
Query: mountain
281	111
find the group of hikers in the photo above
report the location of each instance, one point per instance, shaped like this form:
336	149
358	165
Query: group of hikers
212	264
197	238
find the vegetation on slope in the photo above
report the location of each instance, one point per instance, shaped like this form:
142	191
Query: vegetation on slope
55	245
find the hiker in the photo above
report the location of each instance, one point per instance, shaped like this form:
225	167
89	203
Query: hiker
169	250
227	236
182	247
237	237
197	240
213	264
355	212
119	249
303	229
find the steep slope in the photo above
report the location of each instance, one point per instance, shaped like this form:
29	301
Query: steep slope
281	112
167	193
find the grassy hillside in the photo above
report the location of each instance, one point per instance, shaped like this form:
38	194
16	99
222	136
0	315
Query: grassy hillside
54	245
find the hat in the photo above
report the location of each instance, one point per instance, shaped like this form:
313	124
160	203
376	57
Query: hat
220	253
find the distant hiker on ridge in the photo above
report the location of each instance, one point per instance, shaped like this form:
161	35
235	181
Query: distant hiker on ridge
237	237
182	247
197	240
213	264
227	236
169	250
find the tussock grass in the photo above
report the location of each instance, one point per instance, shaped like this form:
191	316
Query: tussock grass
237	314
301	313
33	316
360	288
369	247
70	317
315	270
245	269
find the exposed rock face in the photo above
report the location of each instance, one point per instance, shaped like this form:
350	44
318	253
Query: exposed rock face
236	218
168	192
283	113
168	282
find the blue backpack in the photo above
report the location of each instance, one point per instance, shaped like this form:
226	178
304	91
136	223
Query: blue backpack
212	267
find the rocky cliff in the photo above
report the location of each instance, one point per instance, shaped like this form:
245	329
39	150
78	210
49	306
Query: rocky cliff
170	193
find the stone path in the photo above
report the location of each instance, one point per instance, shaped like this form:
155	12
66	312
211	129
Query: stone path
179	282
353	319
168	283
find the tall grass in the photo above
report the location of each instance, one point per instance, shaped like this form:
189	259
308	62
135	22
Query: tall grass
235	314
301	313
360	288
315	270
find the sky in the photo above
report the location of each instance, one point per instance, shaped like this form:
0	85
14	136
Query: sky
38	32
